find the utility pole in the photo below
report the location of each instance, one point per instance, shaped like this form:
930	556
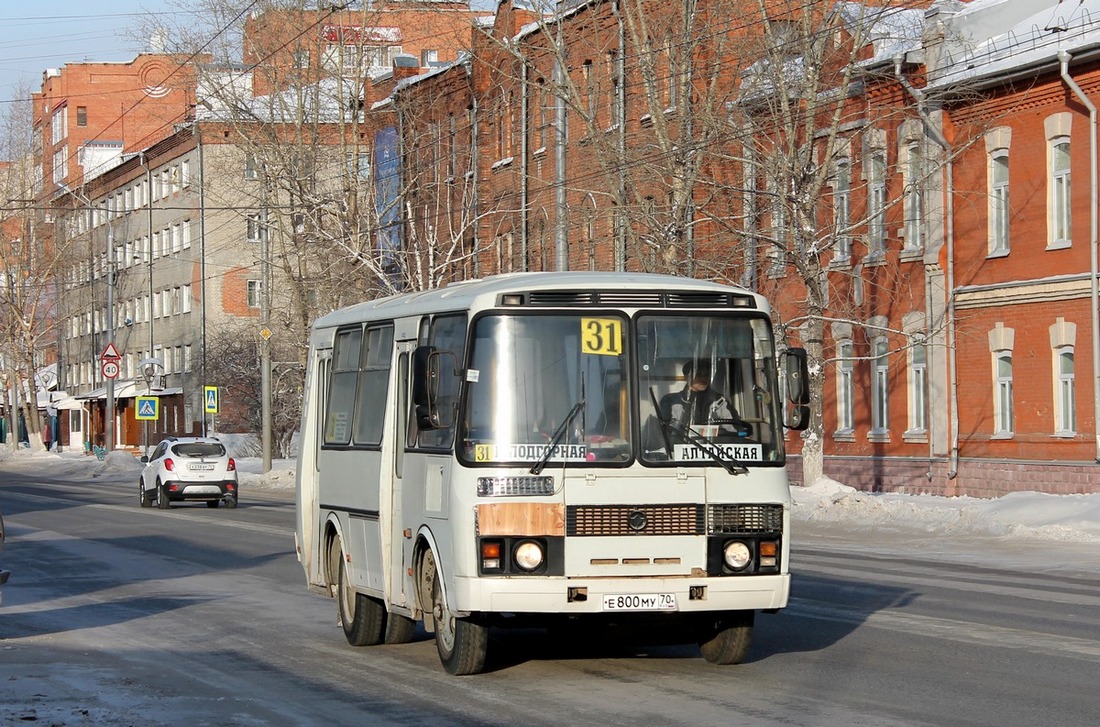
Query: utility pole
265	348
109	434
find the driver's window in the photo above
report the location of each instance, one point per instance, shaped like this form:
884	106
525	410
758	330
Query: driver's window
447	335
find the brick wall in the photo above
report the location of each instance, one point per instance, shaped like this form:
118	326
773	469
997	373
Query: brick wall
975	477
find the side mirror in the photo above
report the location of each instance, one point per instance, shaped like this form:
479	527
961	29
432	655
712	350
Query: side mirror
145	459
428	366
795	373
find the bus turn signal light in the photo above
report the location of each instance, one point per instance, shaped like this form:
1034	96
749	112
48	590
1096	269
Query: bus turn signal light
490	555
769	549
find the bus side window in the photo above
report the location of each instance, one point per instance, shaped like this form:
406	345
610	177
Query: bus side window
374	376
341	391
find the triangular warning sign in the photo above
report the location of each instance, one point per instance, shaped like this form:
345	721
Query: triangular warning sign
110	353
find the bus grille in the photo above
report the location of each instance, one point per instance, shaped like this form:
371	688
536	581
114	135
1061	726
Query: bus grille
744	519
587	520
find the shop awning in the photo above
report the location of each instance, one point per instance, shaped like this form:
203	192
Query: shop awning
130	389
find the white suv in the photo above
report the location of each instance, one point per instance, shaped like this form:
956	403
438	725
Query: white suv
188	468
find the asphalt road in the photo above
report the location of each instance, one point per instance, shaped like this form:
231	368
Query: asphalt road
117	615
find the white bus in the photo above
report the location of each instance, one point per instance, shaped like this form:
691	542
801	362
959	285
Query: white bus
538	449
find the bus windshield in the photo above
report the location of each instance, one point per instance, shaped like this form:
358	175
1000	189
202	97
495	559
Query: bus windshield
541	380
707	390
556	388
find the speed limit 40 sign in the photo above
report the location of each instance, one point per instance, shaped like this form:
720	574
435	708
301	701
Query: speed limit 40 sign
110	369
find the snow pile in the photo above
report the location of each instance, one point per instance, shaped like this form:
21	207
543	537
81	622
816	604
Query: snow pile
1033	515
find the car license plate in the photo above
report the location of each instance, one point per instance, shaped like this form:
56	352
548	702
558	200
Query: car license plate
202	466
639	602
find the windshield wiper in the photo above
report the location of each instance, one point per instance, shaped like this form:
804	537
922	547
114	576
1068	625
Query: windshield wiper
732	466
664	425
556	439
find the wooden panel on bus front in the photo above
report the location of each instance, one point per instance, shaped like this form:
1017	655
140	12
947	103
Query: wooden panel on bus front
521	518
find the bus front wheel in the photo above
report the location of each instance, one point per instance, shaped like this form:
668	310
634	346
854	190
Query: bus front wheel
725	639
462	644
362	617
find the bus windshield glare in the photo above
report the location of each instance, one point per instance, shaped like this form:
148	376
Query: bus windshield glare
604	389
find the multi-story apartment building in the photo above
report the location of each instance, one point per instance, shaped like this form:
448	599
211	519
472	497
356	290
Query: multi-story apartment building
176	243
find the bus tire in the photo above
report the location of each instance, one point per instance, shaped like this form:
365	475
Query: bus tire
725	639
399	629
461	643
362	617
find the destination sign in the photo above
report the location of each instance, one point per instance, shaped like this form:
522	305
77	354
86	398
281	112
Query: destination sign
529	452
733	452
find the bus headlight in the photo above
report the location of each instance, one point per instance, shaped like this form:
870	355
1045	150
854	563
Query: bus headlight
529	555
737	555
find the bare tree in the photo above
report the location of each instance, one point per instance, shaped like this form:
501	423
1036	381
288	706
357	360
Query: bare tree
30	269
324	194
235	351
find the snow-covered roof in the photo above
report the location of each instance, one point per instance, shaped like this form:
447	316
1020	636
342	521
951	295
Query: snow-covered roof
995	39
891	31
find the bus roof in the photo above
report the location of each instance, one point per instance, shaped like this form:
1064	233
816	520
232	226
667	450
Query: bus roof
485	292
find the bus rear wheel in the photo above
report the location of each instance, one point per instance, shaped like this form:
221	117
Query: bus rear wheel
399	629
725	639
461	643
362	617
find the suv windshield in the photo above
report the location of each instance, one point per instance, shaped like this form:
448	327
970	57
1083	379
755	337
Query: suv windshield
556	388
199	449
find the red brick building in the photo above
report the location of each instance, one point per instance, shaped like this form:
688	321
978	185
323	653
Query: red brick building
88	114
959	318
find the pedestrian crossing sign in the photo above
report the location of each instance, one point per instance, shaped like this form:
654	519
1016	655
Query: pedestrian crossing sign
148	407
211	399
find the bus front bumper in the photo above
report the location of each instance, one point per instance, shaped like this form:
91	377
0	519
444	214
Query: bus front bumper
607	595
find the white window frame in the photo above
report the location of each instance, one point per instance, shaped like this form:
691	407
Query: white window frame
1065	392
914	197
880	386
1060	196
1003	402
842	210
845	388
999	203
254	293
254	227
918	388
876	203
59	125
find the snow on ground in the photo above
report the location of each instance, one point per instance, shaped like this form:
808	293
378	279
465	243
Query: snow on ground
827	504
1032	515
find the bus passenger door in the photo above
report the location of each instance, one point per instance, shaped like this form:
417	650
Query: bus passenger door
401	546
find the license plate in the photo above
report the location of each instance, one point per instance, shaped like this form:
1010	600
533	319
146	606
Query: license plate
202	466
639	602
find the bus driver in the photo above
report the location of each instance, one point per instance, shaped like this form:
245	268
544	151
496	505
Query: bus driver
698	402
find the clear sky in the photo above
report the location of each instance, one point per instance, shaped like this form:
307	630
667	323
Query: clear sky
36	35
